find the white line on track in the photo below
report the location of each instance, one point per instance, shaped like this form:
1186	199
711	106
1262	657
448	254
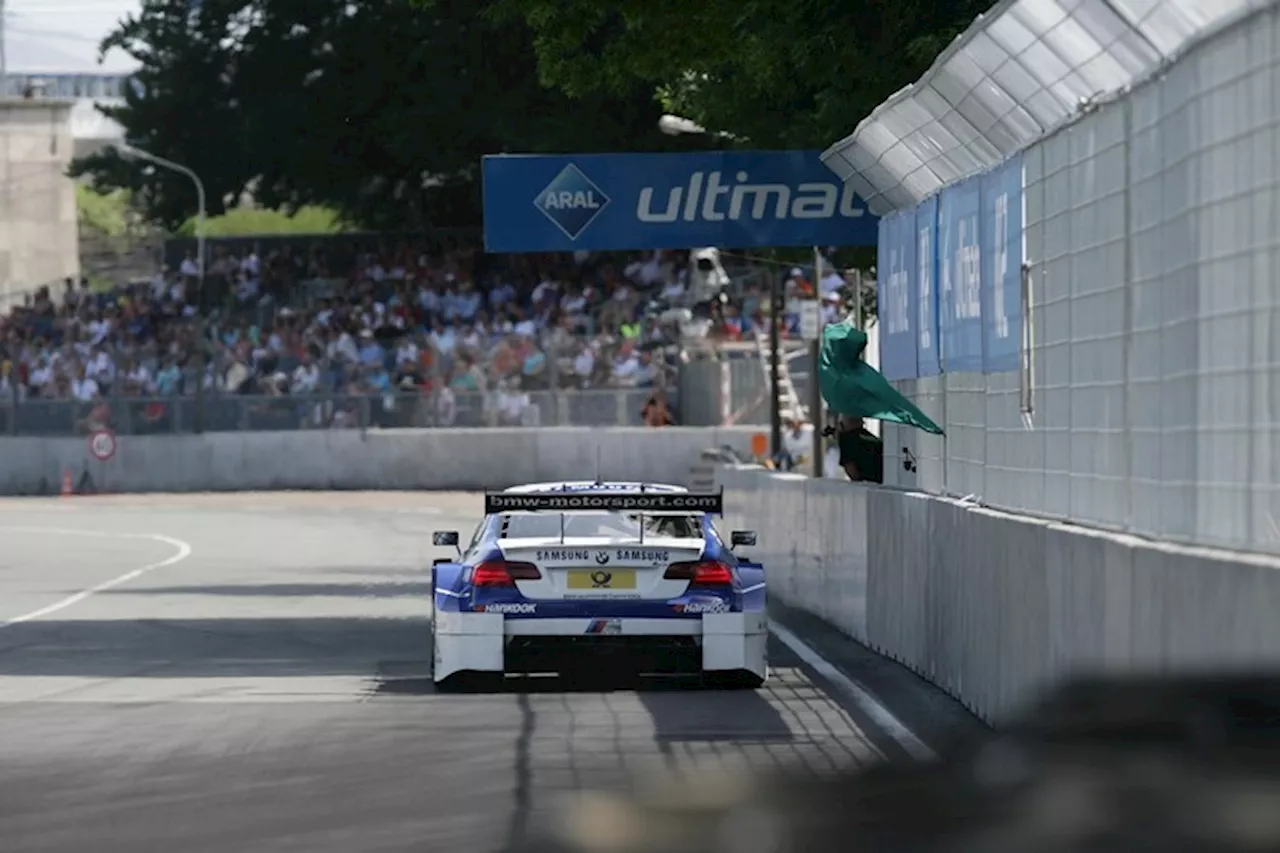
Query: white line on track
183	551
866	702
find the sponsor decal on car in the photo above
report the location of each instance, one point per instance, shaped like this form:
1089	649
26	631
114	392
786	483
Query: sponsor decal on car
516	609
643	555
563	555
603	556
711	605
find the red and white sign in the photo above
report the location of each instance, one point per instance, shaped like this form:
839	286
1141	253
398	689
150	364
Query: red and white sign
102	444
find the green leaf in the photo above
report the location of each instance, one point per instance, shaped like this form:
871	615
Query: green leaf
379	111
777	73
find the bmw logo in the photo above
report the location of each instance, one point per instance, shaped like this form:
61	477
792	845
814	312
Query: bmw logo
602	557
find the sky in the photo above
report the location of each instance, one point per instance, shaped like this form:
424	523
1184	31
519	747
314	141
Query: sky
48	36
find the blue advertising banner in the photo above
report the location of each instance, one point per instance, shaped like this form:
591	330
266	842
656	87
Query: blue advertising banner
960	263
739	199
1002	266
926	281
895	307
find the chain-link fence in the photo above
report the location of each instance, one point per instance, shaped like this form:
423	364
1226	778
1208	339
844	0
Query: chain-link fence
258	412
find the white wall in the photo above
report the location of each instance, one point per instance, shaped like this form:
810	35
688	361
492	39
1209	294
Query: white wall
992	607
350	459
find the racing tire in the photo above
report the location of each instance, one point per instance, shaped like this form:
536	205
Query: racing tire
732	679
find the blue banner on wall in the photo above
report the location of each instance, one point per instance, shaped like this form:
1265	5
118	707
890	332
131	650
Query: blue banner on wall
1002	266
960	264
926	281
895	307
566	203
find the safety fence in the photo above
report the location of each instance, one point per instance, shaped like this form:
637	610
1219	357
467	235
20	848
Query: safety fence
1092	316
265	413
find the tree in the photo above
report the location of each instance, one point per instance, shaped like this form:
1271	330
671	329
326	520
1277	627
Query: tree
775	73
380	109
179	107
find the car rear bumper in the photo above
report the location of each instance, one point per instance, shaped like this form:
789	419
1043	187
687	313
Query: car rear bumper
487	642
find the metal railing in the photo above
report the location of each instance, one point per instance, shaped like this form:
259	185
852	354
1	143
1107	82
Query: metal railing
230	413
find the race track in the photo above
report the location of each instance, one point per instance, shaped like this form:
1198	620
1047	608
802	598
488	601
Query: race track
249	672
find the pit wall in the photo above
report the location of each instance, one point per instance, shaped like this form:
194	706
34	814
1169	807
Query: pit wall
993	607
454	459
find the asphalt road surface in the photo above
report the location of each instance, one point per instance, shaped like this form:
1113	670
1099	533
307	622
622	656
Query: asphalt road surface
250	673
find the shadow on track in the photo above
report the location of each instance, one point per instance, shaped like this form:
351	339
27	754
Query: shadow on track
216	648
419	590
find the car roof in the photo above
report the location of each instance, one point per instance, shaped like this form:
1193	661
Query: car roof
596	486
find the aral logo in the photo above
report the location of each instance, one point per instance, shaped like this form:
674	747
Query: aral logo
571	201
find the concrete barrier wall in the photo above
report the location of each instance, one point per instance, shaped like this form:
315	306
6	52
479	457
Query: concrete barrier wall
994	607
815	556
350	459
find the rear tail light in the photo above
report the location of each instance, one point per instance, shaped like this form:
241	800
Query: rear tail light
493	573
703	573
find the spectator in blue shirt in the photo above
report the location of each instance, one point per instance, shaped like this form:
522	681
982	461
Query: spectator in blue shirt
168	379
371	352
380	380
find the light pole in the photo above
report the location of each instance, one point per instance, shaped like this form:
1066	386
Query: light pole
131	152
673	125
815	365
4	63
678	125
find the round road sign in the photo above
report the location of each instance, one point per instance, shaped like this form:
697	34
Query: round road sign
102	444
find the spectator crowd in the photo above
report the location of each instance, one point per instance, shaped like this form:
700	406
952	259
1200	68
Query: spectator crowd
454	327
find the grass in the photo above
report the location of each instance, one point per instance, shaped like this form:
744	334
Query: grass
253	222
106	214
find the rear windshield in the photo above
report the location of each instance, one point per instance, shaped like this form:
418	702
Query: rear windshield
610	524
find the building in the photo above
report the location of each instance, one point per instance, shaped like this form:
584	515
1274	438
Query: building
39	234
51	79
90	129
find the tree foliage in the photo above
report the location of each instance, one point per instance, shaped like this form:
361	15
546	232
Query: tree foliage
775	73
379	109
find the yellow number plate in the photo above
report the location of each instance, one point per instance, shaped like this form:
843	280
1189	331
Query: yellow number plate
602	579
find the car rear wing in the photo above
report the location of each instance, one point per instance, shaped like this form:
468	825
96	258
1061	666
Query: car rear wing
645	503
641	502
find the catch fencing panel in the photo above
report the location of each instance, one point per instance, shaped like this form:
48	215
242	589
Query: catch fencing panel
257	412
1142	394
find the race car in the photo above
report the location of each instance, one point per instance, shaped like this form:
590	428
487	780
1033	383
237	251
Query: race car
584	577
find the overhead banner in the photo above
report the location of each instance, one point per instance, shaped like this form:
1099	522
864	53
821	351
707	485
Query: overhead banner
1002	266
926	280
960	262
896	305
740	199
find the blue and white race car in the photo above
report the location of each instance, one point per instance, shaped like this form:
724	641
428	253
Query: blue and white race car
559	573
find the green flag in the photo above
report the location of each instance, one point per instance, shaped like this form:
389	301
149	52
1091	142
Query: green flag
854	388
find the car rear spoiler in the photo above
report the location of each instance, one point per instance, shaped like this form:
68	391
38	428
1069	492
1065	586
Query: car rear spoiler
642	502
570	501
